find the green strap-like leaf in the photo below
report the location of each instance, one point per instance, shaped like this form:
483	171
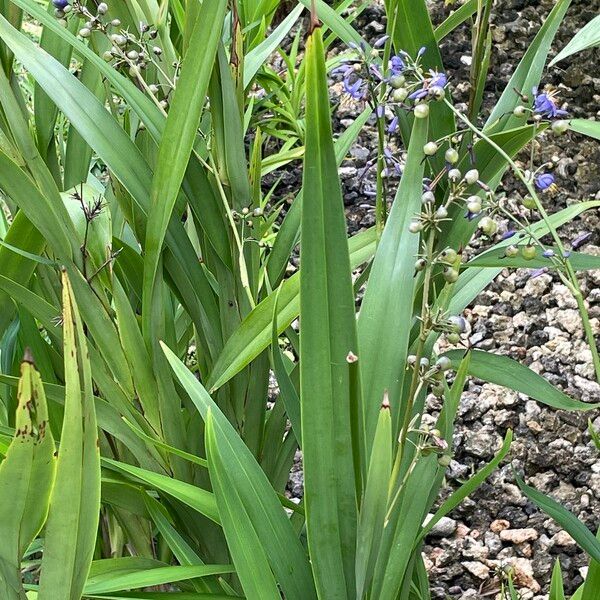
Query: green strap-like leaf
75	502
385	319
509	373
180	132
566	519
327	316
557	591
587	37
26	477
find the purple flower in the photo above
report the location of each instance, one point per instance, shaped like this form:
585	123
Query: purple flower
435	79
396	65
546	104
376	72
421	51
381	41
581	239
354	90
537	272
380	111
393	126
544	181
549	253
60	4
508	234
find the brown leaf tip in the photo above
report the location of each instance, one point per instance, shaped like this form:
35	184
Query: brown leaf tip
314	19
385	403
351	358
28	356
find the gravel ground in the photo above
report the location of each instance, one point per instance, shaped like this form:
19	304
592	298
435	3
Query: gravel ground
534	320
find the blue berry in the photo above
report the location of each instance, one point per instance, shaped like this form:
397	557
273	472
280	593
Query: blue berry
60	4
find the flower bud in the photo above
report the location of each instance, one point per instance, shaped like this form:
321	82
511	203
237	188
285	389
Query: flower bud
472	176
430	148
421	111
451	156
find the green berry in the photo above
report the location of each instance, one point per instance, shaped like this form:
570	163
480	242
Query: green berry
529	202
449	255
529	252
512	251
400	95
560	127
451	274
520	111
415	226
444	363
451	156
472	176
397	81
421	111
488	226
444	460
430	148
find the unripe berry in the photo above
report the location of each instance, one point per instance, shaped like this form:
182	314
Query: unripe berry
529	202
472	176
449	255
421	111
102	8
415	226
397	81
441	212
474	206
512	251
430	148
451	156
560	127
451	274
420	264
85	32
454	175
520	111
428	197
444	363
488	226
529	252
399	95
444	460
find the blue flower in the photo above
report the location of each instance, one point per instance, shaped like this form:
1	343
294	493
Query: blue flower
545	181
393	126
381	41
508	234
546	104
549	253
354	90
60	4
580	240
396	65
